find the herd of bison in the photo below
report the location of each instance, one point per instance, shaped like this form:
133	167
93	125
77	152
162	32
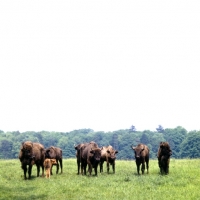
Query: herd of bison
88	155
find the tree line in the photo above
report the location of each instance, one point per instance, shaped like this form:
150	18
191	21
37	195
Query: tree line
184	144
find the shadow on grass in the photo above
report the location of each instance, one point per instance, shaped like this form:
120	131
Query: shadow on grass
9	193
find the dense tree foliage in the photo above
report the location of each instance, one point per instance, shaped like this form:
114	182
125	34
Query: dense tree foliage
183	144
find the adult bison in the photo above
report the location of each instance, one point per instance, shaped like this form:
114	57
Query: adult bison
164	153
90	156
141	156
55	153
108	154
31	153
79	148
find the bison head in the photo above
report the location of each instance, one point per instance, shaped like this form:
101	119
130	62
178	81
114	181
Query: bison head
138	151
165	149
96	154
112	154
26	150
50	152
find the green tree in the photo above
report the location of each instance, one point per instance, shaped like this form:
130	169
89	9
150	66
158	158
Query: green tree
6	149
190	147
175	137
160	129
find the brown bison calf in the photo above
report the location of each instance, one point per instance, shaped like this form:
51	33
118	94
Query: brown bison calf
48	165
141	156
164	153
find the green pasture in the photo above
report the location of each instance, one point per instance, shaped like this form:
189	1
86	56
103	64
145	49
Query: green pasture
183	182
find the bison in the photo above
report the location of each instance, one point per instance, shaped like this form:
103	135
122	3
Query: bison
108	154
164	153
90	156
79	148
30	154
141	156
55	153
48	165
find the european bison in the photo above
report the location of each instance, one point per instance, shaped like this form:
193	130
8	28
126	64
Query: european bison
30	154
141	156
164	153
108	154
55	153
79	148
48	165
90	155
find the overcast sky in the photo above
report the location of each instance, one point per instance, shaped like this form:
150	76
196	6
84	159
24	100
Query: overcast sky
104	65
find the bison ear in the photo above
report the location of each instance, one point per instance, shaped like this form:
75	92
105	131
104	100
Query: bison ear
53	161
132	147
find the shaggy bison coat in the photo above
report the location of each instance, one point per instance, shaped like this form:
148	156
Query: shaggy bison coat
164	153
79	149
90	156
31	153
55	153
141	156
108	154
48	165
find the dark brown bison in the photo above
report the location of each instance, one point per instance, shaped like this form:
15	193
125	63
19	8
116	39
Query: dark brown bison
108	154
79	148
164	153
55	153
141	156
90	156
30	154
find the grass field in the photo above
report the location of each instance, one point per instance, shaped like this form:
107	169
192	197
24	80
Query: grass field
183	182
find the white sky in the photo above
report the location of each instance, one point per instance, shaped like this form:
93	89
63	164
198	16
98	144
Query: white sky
104	65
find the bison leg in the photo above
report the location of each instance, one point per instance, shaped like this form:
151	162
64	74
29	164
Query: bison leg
83	168
138	169
61	166
108	167
29	171
51	170
42	171
113	166
57	168
143	168
166	169
95	170
101	166
90	169
147	165
162	170
38	170
25	170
